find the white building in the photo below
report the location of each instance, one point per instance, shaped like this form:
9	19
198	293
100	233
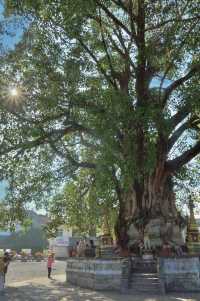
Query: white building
60	244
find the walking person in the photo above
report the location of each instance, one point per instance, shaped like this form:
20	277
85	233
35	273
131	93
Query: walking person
50	261
2	277
6	260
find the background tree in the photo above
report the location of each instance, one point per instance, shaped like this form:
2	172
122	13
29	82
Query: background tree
34	239
81	206
111	86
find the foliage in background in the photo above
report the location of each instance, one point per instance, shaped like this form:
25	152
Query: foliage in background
34	239
81	206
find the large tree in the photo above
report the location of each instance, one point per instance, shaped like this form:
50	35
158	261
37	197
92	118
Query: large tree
111	86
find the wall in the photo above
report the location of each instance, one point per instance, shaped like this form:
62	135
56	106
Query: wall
97	274
61	252
180	274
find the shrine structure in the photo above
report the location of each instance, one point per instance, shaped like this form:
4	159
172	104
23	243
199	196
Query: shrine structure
193	234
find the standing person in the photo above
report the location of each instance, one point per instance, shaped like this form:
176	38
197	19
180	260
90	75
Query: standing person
2	277
50	261
92	246
6	260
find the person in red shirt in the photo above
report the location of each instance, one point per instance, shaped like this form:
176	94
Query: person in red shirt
50	261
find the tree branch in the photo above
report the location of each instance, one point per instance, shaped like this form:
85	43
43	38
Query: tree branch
97	62
124	55
140	80
88	144
68	156
174	165
129	10
157	26
106	49
179	117
133	19
32	121
22	146
177	133
177	83
43	139
117	185
120	4
113	17
170	65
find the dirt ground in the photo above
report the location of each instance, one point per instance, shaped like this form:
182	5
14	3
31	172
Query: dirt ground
43	289
21	271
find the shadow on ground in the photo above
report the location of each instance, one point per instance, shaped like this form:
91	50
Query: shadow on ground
58	291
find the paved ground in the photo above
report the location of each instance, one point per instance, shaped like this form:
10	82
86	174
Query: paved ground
20	271
42	289
39	288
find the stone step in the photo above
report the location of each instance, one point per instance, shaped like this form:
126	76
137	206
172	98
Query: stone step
152	269
144	280
146	288
144	266
133	291
144	276
154	275
145	283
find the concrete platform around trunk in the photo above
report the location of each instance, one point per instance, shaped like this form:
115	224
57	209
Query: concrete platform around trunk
97	274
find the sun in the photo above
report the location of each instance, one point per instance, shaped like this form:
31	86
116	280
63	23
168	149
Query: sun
14	92
12	95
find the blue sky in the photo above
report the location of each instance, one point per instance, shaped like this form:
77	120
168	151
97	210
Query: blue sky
8	42
3	188
15	29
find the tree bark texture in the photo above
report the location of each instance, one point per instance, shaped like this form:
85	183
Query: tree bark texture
150	211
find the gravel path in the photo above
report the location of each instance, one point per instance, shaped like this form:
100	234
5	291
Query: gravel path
42	289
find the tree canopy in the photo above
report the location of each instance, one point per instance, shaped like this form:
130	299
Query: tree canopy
111	87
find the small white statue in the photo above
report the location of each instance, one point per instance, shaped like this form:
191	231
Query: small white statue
81	248
147	243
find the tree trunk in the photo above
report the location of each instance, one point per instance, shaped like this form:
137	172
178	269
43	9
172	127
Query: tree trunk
148	210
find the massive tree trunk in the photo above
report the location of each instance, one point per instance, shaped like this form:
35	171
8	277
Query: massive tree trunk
148	209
